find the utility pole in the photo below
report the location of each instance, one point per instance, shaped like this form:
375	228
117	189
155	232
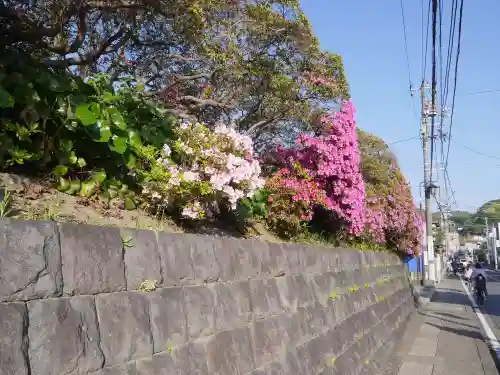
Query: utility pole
424	133
487	235
431	274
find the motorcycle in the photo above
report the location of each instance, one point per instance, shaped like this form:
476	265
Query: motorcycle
480	289
459	268
480	296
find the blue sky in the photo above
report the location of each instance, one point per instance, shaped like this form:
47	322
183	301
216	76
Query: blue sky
369	37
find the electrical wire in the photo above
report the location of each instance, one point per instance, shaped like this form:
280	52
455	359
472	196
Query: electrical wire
434	81
478	92
406	41
405	35
403	140
451	40
425	49
445	81
460	21
476	151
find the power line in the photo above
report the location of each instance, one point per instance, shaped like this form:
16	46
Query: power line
476	151
406	42
478	92
407	57
403	140
451	39
425	49
447	176
434	81
445	81
460	20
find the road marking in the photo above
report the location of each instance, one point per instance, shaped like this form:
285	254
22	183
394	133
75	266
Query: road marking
490	336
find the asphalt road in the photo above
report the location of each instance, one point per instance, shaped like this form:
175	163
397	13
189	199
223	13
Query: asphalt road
491	307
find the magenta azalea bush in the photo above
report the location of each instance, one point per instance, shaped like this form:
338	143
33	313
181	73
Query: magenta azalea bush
330	162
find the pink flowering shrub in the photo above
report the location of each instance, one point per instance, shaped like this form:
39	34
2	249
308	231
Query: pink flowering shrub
201	168
293	196
332	161
362	191
390	214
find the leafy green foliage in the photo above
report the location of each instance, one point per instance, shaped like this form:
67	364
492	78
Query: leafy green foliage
5	204
87	134
255	206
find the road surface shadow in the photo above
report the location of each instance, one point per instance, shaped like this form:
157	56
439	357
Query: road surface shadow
448	315
458	331
428	313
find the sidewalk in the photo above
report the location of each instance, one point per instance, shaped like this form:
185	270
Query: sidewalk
445	337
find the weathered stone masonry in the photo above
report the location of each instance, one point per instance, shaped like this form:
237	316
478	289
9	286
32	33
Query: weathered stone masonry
80	299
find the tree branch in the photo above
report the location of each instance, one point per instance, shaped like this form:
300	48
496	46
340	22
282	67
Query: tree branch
261	124
90	57
204	102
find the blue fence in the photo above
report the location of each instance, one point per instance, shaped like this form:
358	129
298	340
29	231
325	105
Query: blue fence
412	263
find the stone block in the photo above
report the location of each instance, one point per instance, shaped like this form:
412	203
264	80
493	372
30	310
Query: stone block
294	291
291	363
264	297
200	307
294	254
142	259
230	352
176	263
92	259
232	304
322	285
344	279
273	258
13	343
64	336
198	356
327	259
347	259
362	277
292	327
380	309
237	259
30	260
271	368
202	251
349	362
311	258
316	320
339	338
124	323
168	318
268	337
367	344
125	369
315	354
366	319
337	310
359	300
171	362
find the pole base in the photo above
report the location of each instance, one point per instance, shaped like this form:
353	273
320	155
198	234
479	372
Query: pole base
428	283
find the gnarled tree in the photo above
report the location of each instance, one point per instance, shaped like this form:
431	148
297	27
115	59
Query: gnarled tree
252	62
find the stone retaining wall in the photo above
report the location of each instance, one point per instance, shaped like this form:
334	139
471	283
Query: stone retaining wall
80	299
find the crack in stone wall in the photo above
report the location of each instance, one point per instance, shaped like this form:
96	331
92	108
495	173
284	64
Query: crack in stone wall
72	301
